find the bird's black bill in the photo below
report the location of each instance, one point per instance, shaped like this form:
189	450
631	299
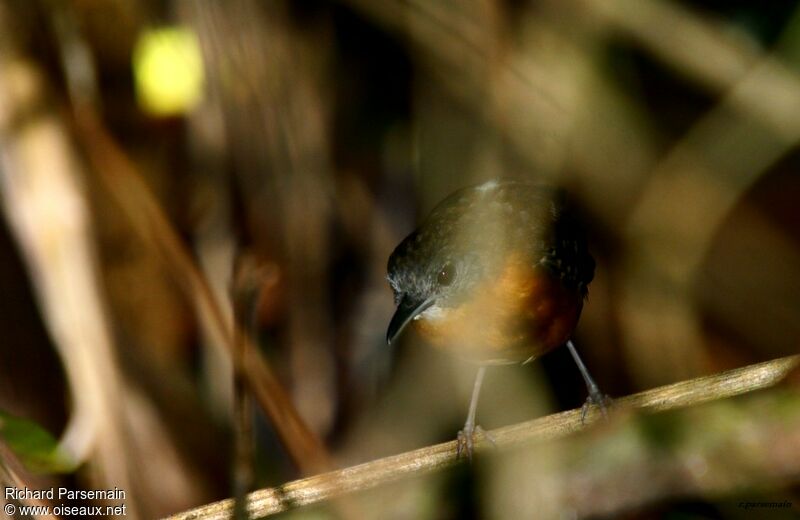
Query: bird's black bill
406	311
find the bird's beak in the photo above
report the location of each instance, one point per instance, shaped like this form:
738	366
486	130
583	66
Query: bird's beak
407	310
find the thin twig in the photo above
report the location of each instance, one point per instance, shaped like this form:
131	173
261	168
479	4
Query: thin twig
426	460
245	292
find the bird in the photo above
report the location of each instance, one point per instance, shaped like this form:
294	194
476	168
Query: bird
496	274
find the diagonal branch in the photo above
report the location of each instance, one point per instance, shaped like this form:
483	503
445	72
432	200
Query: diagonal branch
119	176
426	460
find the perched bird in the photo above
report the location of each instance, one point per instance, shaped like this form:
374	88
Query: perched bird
496	274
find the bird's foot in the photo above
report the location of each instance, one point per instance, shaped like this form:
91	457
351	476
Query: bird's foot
466	440
596	398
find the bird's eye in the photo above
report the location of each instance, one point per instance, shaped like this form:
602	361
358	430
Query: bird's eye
446	274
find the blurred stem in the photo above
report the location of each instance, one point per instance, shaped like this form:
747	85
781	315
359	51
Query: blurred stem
247	282
44	200
557	426
119	177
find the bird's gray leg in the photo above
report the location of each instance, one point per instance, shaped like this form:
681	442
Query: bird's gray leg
466	440
596	397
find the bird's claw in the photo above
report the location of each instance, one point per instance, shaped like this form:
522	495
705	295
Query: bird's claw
596	398
465	442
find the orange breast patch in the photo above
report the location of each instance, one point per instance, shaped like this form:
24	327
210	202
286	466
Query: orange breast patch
519	314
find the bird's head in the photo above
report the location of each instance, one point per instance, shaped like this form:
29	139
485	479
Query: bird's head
461	243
